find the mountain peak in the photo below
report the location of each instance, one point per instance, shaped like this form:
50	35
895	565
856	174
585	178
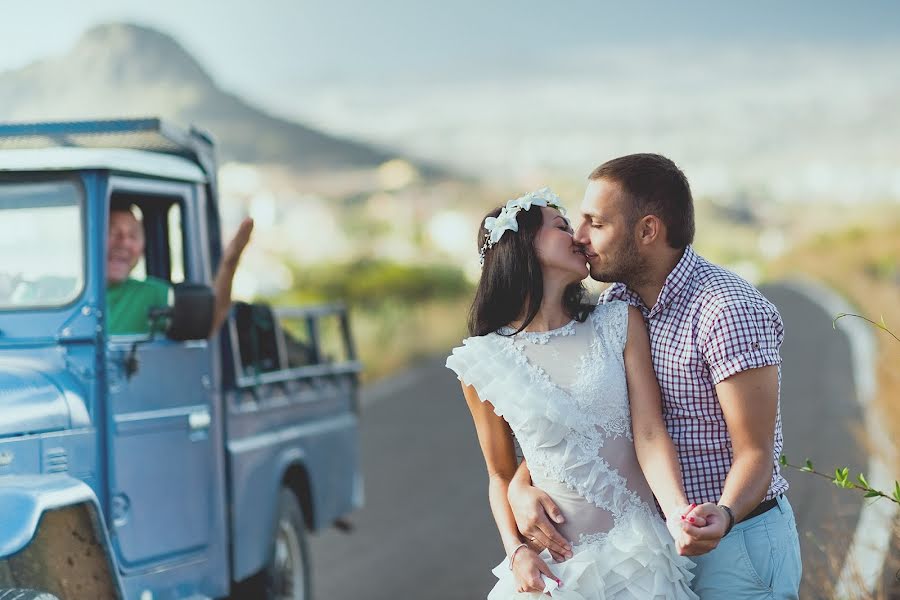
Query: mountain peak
121	70
130	53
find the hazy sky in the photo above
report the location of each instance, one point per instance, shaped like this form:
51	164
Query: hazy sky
801	94
280	46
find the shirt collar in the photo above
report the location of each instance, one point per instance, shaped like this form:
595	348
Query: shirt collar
678	278
675	283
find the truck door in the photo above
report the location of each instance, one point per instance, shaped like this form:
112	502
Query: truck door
163	482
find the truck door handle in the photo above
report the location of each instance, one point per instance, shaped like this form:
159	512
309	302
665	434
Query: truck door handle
199	420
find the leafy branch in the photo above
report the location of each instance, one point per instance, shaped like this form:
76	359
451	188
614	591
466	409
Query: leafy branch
842	479
880	325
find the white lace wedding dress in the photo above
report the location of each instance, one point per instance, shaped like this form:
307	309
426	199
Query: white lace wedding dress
565	398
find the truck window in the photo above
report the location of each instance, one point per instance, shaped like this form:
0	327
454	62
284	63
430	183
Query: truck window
41	243
159	220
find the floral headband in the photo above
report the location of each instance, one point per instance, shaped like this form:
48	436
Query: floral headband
506	220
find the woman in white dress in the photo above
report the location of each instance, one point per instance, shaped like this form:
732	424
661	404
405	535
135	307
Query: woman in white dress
574	384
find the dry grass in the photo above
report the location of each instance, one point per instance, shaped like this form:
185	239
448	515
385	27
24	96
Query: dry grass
392	337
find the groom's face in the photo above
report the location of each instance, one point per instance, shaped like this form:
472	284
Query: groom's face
605	230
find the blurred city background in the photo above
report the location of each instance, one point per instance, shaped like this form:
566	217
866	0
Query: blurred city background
367	139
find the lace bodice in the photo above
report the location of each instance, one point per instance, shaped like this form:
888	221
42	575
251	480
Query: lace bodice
565	397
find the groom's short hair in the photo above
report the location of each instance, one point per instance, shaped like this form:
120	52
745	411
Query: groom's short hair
653	184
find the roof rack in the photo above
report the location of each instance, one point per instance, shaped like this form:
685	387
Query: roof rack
149	134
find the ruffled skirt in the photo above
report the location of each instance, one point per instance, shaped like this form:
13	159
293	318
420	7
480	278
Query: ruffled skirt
637	560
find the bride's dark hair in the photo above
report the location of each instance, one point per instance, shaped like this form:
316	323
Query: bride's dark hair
511	283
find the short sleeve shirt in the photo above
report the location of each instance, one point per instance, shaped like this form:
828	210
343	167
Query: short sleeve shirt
707	325
128	304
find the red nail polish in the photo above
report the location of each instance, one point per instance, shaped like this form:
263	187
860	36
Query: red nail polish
682	517
691	519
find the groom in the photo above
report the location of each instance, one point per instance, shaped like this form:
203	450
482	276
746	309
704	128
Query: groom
715	343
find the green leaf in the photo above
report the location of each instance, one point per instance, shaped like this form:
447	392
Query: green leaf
783	460
871	494
862	479
883	324
809	465
845	472
897	491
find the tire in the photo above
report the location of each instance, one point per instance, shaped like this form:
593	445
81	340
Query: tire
21	594
286	576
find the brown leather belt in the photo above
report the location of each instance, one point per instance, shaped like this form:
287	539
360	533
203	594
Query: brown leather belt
764	506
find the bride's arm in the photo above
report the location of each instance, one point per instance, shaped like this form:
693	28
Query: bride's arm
496	442
655	450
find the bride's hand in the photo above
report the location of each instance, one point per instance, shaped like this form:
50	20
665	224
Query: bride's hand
527	570
681	514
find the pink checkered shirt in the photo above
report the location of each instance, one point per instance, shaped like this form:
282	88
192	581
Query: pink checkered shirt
707	325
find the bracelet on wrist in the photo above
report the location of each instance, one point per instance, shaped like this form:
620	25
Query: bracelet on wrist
512	555
730	518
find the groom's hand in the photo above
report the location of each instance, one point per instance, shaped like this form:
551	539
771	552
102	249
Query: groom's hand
695	540
531	507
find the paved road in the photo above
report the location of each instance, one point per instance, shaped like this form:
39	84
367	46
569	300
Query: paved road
426	532
822	421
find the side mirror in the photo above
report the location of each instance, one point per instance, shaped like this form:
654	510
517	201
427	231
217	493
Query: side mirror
191	315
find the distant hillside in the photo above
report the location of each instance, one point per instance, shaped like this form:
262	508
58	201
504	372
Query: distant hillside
124	70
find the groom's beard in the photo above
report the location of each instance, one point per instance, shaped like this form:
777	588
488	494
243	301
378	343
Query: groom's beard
624	265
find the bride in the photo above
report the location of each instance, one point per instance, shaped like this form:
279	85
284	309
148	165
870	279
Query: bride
574	383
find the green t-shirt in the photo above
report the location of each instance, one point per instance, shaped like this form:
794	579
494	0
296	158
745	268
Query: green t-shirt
128	303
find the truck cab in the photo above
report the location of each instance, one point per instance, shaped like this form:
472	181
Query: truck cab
168	463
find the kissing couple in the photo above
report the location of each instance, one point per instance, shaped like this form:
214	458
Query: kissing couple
649	423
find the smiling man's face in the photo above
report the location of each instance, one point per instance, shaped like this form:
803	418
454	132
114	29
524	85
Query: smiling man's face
124	247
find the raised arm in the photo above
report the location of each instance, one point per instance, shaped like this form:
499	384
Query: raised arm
652	443
496	441
231	256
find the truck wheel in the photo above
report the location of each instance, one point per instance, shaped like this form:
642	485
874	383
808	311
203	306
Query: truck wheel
287	574
20	594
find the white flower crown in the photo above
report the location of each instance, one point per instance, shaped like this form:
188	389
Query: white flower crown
506	220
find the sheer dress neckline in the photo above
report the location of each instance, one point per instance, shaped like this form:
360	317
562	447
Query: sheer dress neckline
539	337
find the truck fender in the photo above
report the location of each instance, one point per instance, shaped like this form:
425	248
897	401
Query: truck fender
53	538
25	498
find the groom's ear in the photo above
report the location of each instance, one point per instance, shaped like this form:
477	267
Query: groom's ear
650	229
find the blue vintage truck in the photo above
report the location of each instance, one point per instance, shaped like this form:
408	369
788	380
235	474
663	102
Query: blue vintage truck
165	465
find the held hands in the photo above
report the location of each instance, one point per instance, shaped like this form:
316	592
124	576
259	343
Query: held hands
533	510
701	529
697	529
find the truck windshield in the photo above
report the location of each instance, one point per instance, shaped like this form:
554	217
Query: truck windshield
41	247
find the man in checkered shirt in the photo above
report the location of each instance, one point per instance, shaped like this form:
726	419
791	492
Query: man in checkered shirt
715	343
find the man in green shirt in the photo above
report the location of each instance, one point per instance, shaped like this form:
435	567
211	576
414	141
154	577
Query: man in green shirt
128	300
